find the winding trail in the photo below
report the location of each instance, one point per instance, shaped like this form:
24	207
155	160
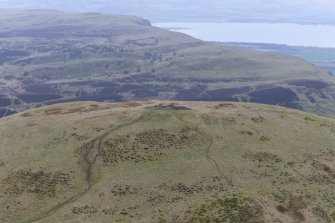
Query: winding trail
91	152
210	158
217	167
208	153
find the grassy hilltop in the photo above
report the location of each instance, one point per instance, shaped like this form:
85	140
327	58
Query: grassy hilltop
166	162
48	57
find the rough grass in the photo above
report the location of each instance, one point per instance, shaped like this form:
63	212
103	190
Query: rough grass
230	209
160	162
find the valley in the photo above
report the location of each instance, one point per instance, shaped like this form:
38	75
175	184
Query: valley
55	57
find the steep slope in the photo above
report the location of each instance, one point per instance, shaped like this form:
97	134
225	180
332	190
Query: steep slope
49	56
166	162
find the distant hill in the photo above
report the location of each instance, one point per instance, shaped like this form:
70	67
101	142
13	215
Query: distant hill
301	11
49	57
167	162
322	57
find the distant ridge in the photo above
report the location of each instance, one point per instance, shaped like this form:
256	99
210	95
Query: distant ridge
52	57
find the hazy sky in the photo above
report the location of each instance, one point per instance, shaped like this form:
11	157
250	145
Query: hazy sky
302	10
171	3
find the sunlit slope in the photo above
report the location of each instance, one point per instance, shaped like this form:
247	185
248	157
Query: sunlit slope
48	57
166	162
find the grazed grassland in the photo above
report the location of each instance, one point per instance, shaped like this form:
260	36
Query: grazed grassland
166	162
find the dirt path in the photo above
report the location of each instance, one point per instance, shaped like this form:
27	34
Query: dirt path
211	158
91	152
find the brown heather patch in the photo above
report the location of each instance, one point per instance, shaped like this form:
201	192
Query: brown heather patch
27	114
41	183
230	209
53	111
131	104
282	209
148	145
85	210
75	110
293	209
225	105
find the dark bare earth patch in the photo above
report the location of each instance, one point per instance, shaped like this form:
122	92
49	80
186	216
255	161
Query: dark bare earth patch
170	107
143	93
315	84
40	88
193	94
35	98
6	112
276	96
4	102
293	208
227	94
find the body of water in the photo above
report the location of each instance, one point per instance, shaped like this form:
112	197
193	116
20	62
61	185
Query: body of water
277	33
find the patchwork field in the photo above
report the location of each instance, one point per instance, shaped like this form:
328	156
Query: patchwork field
161	161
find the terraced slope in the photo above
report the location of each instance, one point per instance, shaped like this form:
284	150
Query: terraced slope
48	57
166	162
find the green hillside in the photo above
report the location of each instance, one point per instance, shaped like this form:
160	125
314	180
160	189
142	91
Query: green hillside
159	161
321	57
48	57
